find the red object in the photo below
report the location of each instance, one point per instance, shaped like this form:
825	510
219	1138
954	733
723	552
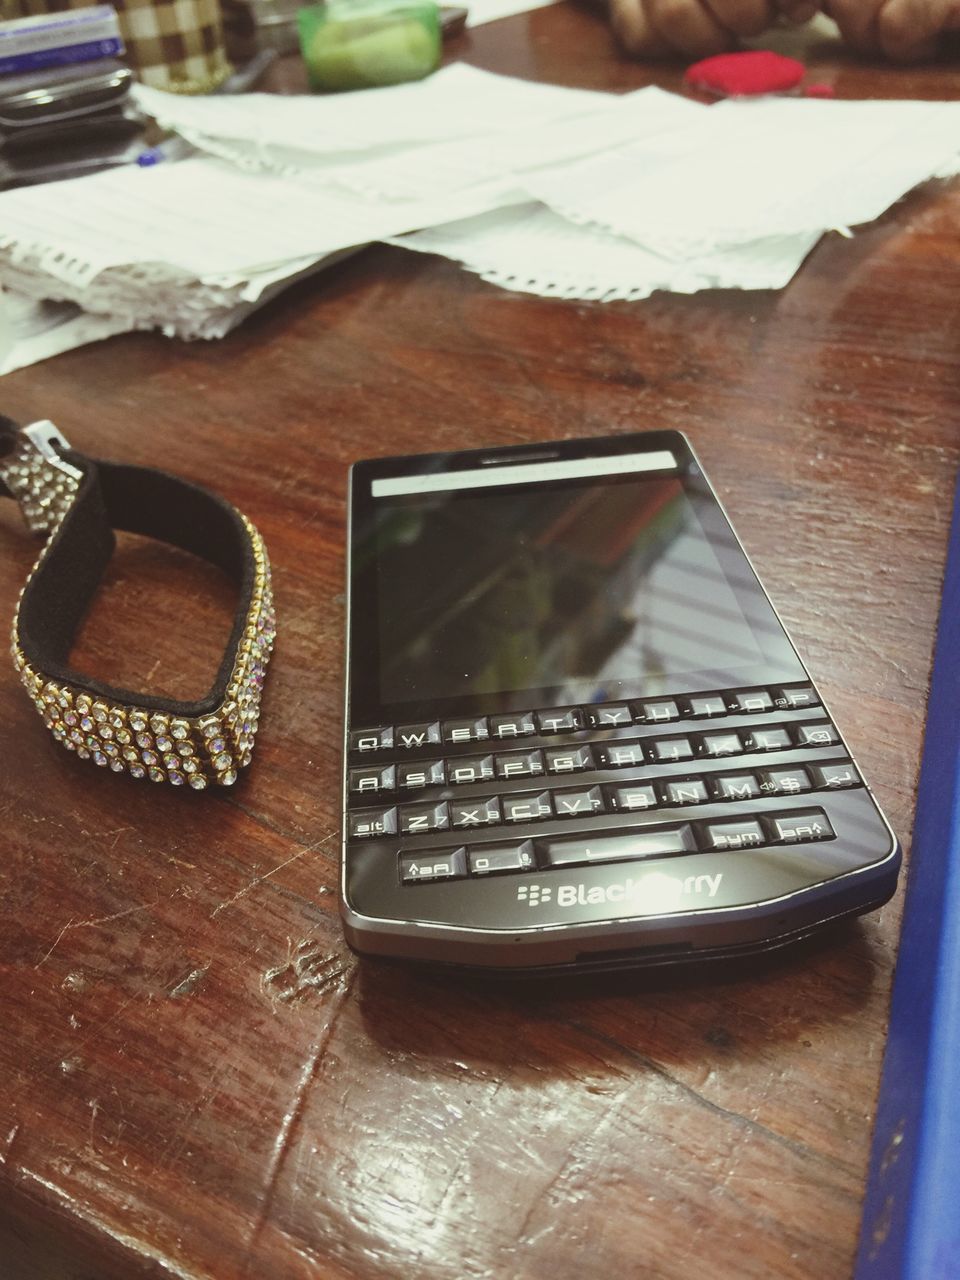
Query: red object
741	74
819	91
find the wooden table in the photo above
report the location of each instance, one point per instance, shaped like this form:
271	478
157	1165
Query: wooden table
197	1078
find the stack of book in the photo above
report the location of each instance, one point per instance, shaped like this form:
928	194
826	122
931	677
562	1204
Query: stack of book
65	107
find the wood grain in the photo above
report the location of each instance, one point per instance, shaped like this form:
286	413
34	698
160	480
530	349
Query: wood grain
198	1081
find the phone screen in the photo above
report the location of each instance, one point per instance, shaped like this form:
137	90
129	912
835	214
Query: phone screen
575	586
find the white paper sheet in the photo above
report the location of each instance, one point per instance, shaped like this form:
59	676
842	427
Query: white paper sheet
481	11
531	249
32	330
750	169
455	103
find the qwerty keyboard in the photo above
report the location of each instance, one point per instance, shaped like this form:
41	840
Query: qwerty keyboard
472	778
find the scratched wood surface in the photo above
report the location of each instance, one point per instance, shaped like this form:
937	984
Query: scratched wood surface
197	1078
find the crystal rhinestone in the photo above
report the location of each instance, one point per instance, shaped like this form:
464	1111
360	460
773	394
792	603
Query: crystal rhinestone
83	703
157	775
198	782
99	758
130	754
245	758
116	766
124	736
137	770
83	753
189	766
69	745
138	721
228	779
210	728
159	724
93	743
185	748
144	740
171	761
179	730
110	749
106	732
58	731
164	743
42	706
116	718
64	699
216	746
86	724
99	713
148	757
223	760
70	719
176	778
76	736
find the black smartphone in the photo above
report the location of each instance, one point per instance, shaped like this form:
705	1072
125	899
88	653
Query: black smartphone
576	732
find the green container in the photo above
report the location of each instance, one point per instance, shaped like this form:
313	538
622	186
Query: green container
359	44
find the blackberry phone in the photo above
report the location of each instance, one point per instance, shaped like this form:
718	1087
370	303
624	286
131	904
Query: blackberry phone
576	732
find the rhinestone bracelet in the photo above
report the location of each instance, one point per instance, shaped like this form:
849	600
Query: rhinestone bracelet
75	502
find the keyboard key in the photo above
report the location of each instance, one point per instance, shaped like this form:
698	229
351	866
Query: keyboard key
411	736
477	811
433	864
835	775
753	702
495	859
570	851
620	754
371	781
528	806
736	786
664	750
425	773
572	801
465	730
568	759
803	824
722	744
517	725
700	707
520	764
791	699
469	769
744	833
633	796
371	739
608	715
423	817
816	735
368	823
658	710
559	721
773	739
685	791
784	782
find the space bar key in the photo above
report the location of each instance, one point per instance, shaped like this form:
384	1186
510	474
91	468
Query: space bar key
571	851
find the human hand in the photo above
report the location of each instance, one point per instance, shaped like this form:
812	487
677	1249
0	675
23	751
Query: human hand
697	28
902	30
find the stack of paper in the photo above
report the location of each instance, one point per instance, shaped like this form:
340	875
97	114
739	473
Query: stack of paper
554	191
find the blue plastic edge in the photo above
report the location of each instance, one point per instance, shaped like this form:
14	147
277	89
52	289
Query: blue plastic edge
911	1215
